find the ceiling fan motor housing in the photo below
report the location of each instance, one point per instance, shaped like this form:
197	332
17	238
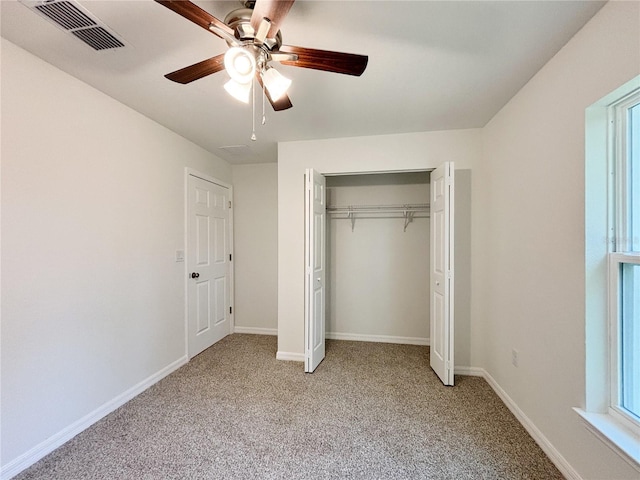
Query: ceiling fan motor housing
259	44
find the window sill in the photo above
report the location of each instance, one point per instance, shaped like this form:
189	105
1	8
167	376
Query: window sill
621	440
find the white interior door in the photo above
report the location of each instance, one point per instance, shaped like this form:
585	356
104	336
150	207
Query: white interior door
441	277
208	290
314	283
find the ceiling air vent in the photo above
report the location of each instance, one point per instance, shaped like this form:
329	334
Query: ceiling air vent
237	150
98	38
71	17
65	14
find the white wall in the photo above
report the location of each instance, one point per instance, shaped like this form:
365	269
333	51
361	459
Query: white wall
92	211
92	214
413	151
255	217
378	273
528	264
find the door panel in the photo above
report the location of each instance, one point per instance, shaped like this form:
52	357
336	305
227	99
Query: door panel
204	306
220	244
202	239
208	295
315	212
220	290
437	342
441	277
318	254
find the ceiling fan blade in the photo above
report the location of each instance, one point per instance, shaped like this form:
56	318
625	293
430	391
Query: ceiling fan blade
337	62
198	70
274	10
282	103
194	13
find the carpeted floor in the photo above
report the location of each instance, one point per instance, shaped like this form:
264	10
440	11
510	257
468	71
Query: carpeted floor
370	411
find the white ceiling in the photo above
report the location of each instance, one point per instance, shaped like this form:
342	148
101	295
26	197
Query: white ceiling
433	65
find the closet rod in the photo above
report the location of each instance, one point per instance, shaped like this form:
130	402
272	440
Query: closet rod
415	207
407	211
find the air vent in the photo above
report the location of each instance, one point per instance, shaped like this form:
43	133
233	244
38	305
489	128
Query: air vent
65	14
98	38
237	150
73	18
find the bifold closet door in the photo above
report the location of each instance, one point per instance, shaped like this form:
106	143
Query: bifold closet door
315	261
441	275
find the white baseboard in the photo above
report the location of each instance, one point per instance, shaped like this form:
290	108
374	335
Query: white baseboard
44	448
290	357
299	357
559	461
49	445
377	338
469	371
255	330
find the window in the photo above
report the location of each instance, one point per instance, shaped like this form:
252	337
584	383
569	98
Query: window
624	260
612	269
630	339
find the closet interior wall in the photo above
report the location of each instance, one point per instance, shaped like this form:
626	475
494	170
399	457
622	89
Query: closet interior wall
378	272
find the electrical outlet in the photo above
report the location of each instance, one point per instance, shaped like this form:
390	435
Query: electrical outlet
514	357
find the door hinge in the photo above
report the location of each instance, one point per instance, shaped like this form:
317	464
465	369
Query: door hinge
230	310
229	203
230	257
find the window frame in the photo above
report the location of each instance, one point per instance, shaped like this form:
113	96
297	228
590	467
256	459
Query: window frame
618	114
621	246
605	191
616	261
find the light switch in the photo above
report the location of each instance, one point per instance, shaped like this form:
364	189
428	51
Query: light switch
179	255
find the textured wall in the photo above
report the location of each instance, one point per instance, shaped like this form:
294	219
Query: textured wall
528	236
387	153
255	224
92	214
378	273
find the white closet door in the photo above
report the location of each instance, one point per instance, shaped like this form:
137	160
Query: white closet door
441	278
314	283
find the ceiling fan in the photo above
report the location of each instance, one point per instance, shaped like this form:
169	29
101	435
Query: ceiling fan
254	39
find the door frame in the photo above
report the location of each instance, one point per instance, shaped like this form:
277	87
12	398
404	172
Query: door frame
188	171
451	242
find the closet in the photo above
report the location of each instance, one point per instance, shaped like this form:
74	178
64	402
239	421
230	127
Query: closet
377	257
373	269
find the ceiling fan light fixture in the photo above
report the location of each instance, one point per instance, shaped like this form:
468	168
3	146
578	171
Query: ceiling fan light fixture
275	83
253	35
240	64
239	91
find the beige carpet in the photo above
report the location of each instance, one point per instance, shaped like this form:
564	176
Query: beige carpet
370	411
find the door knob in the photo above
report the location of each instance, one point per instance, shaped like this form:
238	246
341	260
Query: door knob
195	275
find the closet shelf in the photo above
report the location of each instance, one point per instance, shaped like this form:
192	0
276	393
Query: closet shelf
406	211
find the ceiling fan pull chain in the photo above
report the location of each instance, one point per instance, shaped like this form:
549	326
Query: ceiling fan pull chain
253	113
264	115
